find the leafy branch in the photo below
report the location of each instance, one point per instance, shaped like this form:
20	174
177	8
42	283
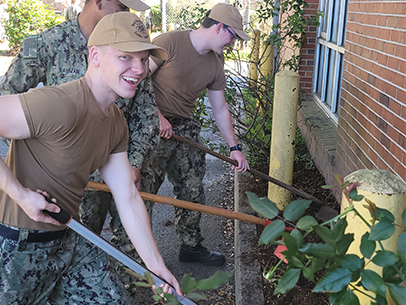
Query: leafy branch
343	272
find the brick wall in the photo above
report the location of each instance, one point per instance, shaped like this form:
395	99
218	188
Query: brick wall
308	50
372	118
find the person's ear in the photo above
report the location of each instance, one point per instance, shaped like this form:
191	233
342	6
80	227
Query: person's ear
218	27
94	56
98	3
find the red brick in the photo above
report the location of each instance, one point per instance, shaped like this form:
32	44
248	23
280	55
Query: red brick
393	63
379	7
396	36
383	34
381	20
390	90
400	8
402	66
398	80
399	124
393	22
388	8
382	59
397	152
395	107
402	23
400	170
400	51
388	116
389	48
401	96
392	133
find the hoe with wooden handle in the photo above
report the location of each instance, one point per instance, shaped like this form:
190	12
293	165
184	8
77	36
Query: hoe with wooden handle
253	171
189	205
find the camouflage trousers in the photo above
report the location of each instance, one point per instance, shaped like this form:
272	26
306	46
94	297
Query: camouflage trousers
185	167
92	213
69	270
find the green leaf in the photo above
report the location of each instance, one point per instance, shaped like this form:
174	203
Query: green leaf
325	233
373	282
317	263
287	281
308	273
384	215
294	262
187	283
333	281
349	298
344	243
335	298
263	206
380	300
404	218
382	231
306	223
295	209
290	243
397	293
351	262
339	229
367	246
215	281
170	299
384	258
272	231
401	246
196	296
318	250
298	237
157	298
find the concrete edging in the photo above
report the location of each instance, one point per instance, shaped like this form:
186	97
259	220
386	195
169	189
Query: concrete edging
248	277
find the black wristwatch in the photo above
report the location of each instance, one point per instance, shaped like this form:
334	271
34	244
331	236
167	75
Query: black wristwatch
236	147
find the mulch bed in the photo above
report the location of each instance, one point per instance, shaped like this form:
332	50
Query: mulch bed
310	181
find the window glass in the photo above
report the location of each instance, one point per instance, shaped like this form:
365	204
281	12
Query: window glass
329	55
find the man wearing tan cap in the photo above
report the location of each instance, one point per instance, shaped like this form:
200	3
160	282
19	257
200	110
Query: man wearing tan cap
62	134
60	55
193	65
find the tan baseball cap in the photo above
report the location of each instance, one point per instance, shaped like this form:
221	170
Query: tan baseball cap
136	5
126	32
230	16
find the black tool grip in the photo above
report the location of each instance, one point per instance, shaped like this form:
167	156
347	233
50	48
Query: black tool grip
63	216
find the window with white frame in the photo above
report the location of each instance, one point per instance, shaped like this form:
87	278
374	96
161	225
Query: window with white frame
329	55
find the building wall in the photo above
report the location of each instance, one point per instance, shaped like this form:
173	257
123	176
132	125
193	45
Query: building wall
372	118
308	50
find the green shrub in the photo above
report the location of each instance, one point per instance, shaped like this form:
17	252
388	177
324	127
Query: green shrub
28	17
156	18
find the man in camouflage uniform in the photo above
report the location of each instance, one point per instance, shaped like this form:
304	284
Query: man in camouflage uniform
193	64
60	55
61	135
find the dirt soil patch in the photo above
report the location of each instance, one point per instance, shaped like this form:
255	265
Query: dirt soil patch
310	181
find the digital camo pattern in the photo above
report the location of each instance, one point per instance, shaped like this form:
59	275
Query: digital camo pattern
64	271
185	167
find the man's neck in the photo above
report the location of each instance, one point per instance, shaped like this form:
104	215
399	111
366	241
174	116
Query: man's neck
104	98
198	39
86	22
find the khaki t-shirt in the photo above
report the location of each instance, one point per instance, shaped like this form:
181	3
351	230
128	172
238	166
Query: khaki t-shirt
71	137
180	78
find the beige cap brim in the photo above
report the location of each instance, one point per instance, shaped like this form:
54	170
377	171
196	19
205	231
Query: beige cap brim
241	34
136	5
142	46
